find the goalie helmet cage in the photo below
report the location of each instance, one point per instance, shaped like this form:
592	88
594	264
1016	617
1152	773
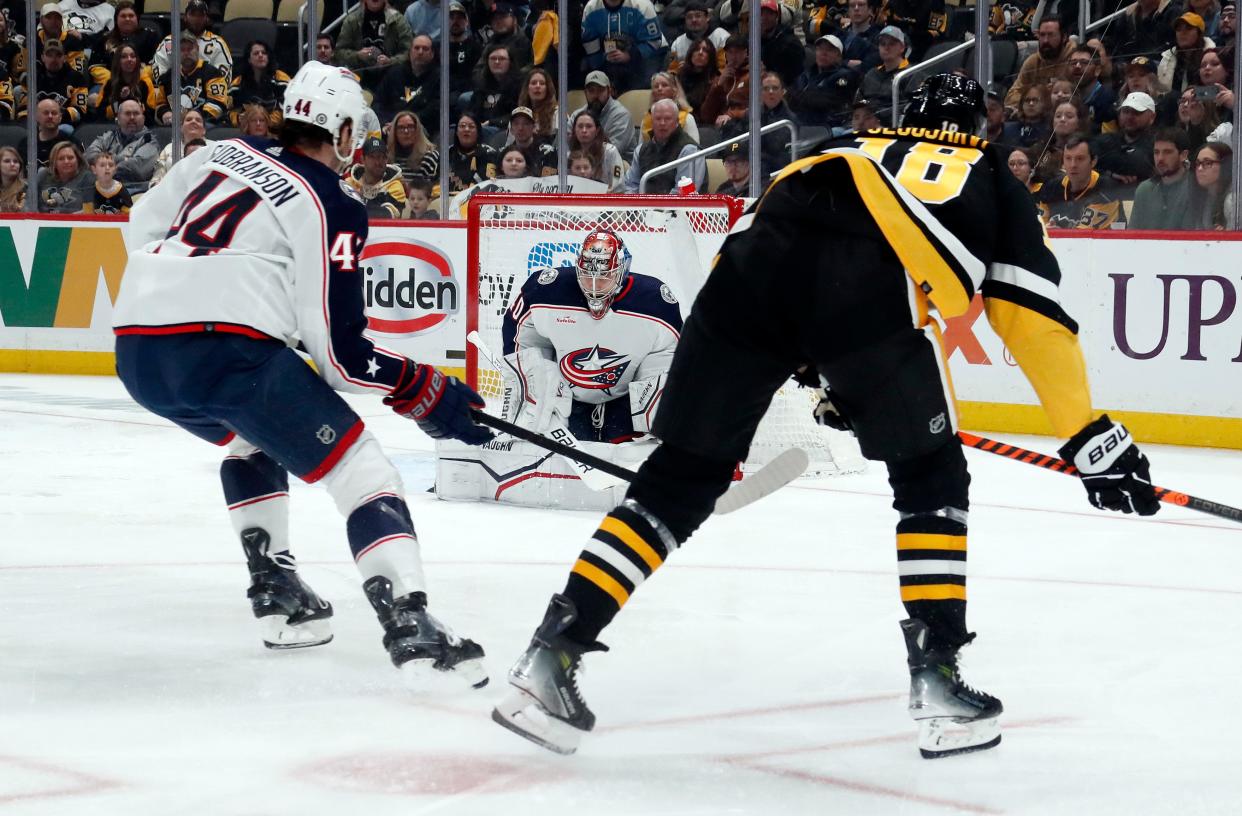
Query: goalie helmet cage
673	238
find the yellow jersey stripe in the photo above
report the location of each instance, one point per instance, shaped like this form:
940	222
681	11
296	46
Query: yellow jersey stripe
633	540
602	580
934	592
930	541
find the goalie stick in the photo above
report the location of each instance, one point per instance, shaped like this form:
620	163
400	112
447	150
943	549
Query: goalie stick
783	469
1031	457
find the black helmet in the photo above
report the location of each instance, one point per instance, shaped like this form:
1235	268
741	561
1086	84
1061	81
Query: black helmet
947	102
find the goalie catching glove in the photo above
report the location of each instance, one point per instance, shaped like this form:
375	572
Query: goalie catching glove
440	405
1114	471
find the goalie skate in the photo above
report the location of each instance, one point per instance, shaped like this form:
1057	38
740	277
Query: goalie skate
544	704
291	615
953	718
418	644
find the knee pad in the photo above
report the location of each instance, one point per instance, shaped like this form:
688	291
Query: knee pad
680	488
362	473
932	482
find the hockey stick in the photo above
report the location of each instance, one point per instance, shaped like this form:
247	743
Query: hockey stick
1031	457
780	471
595	478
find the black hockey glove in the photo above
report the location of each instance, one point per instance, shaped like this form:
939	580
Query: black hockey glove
829	413
440	405
1114	471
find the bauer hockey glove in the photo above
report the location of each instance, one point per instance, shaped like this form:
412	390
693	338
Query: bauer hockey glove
829	413
440	405
1114	471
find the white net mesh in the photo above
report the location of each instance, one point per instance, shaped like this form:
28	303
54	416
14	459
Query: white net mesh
674	241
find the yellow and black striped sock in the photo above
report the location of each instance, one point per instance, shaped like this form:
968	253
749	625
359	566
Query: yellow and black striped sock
931	561
628	547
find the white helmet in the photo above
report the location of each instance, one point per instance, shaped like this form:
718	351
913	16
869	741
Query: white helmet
327	97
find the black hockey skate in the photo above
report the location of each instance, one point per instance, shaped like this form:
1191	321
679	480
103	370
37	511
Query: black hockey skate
544	704
953	718
416	641
290	614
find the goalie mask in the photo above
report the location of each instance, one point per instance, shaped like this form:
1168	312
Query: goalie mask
603	265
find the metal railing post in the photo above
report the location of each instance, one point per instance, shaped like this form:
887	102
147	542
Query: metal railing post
562	94
983	41
785	124
753	105
1084	14
32	127
925	64
445	108
1237	147
174	81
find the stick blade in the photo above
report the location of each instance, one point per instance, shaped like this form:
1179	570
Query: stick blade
783	469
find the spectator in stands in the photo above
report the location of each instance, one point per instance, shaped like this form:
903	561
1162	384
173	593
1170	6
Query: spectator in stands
737	171
822	95
697	73
325	49
8	104
12	51
539	95
587	136
192	127
925	22
824	17
1061	91
1140	77
89	19
423	17
110	196
464	50
52	28
56	80
1209	10
622	38
378	182
1015	20
994	130
1127	154
581	165
1196	116
1215	72
1023	168
1145	29
543	30
877	84
1050	62
779	48
418	207
212	48
1069	120
775	144
1228	25
614	117
253	120
505	31
65	184
865	115
513	163
729	96
1034	122
668	142
413	85
1100	100
12	180
410	149
470	160
496	87
859	51
1160	202
48	118
1082	198
373	35
698	28
1210	204
665	86
260	83
128	79
1179	66
540	153
203	87
127	29
132	145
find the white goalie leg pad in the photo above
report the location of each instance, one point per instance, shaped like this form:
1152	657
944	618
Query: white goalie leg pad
535	390
269	511
362	476
645	401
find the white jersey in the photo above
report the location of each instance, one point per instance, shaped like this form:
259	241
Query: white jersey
247	237
87	20
681	45
634	340
212	49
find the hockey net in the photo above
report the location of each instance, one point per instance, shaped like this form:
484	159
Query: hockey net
672	238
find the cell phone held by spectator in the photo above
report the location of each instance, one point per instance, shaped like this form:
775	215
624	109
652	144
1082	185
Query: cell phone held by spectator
1206	93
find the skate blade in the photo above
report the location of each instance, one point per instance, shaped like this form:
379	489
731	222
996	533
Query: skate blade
279	634
944	736
525	716
422	675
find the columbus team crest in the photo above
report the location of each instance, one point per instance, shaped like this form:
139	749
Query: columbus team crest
595	368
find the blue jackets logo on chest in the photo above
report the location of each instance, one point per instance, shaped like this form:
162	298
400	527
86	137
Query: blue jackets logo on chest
596	368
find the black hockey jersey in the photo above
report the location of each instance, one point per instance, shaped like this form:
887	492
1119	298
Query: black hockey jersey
960	223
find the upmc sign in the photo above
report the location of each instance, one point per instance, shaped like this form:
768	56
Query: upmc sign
1161	328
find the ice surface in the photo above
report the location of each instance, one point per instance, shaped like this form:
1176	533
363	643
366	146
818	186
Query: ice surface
761	672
